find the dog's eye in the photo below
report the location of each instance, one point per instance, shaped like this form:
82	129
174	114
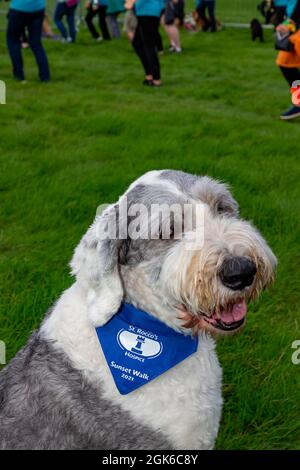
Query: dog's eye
221	209
224	208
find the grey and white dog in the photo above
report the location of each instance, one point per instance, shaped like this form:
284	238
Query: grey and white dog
58	393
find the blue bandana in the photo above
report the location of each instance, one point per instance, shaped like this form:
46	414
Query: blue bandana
138	347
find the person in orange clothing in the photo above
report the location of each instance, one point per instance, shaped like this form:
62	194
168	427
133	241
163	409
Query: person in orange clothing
289	61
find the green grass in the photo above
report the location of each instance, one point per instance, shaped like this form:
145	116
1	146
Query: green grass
79	141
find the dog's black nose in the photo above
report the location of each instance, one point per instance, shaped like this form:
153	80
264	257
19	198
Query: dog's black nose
237	273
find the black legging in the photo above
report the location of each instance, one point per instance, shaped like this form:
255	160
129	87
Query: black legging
159	42
101	12
145	44
291	74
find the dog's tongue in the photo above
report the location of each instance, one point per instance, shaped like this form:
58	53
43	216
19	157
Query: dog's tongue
237	312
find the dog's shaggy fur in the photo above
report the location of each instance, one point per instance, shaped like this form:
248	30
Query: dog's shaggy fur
58	391
256	30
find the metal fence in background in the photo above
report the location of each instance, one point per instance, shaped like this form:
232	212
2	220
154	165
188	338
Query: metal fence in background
239	12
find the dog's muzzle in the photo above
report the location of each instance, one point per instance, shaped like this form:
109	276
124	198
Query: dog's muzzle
238	272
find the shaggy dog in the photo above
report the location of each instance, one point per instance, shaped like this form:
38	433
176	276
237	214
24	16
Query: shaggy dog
256	30
58	392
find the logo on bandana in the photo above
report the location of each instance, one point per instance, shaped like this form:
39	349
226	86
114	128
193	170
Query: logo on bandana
139	348
139	344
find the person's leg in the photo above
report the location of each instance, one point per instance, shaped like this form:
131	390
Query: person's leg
113	25
201	14
138	46
289	64
58	15
130	35
130	24
168	21
211	12
159	42
16	24
89	22
291	74
35	25
102	22
150	25
47	30
70	13
173	35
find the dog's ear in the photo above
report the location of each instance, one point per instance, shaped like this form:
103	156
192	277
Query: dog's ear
96	266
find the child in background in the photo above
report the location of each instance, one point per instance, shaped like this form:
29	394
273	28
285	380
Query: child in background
289	61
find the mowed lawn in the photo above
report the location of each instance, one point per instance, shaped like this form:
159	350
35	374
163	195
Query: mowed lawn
77	142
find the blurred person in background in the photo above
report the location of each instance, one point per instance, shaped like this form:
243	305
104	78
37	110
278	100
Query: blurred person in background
94	8
130	24
66	9
47	31
201	7
172	18
280	11
148	13
115	7
27	14
289	60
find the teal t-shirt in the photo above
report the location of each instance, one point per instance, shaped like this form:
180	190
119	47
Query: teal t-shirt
115	6
291	4
28	6
149	7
